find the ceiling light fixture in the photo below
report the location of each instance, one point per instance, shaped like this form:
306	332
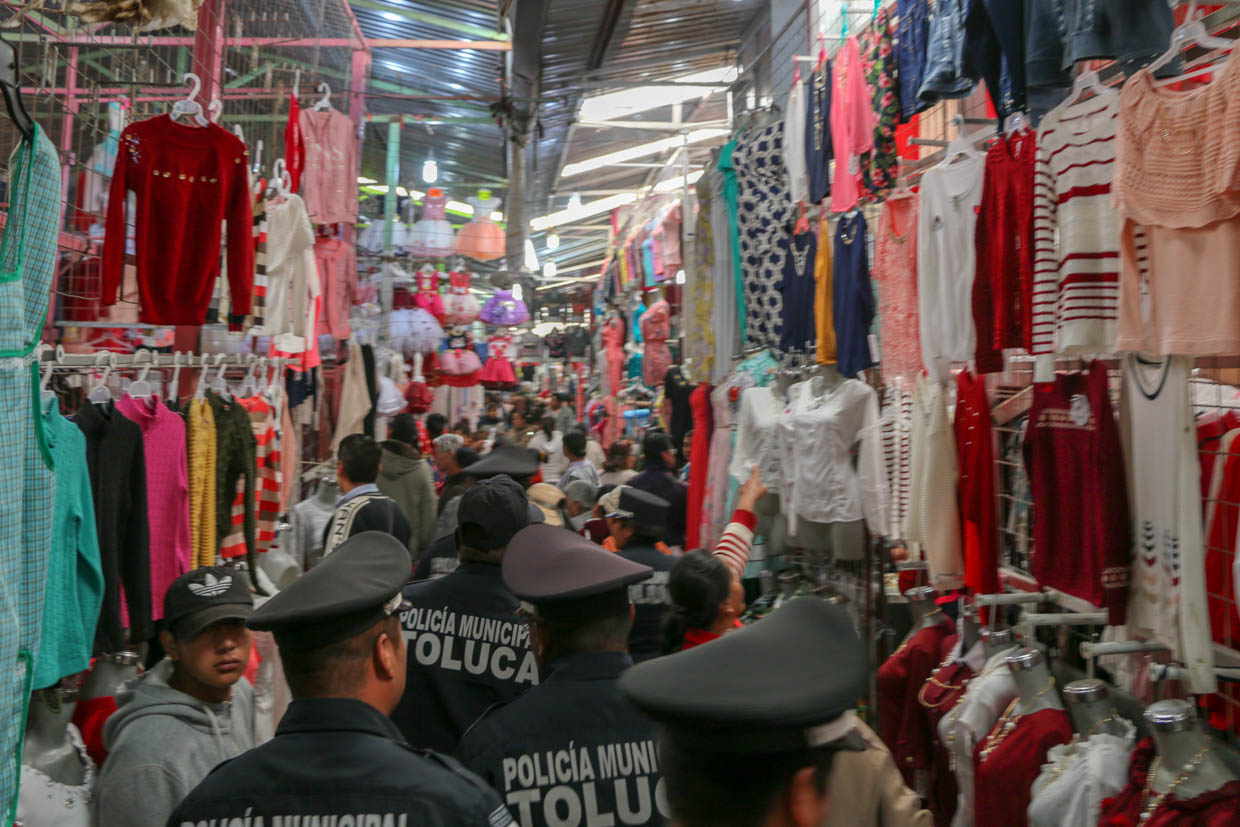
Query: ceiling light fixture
549	270
640	151
673	184
516	287
614	105
531	257
574	201
553	241
430	170
583	211
393	16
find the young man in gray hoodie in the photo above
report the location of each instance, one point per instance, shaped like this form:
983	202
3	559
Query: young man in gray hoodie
194	710
406	477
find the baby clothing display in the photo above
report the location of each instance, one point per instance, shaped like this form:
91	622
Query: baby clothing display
461	307
414	330
502	310
427	296
432	235
459	364
498	372
656	327
482	238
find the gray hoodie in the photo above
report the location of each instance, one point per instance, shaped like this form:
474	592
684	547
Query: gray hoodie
406	478
161	743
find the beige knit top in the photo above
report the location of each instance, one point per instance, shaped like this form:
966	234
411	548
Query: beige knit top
1178	152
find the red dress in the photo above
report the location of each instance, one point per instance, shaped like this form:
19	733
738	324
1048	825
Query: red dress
1081	529
1212	809
699	403
901	721
976	460
938	699
1002	782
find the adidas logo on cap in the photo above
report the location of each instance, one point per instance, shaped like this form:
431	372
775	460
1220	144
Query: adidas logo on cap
211	586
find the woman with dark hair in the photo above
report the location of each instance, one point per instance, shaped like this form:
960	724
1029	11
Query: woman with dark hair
705	587
618	468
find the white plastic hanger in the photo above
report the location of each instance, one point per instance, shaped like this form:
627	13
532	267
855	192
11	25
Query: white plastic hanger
249	385
189	107
44	393
173	386
101	394
960	146
324	102
214	109
1014	123
200	391
1190	32
219	384
140	388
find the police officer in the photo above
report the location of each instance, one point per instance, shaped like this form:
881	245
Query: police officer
468	649
336	754
440	558
636	525
757	728
571	752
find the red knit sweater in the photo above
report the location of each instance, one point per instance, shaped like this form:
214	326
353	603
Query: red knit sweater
187	180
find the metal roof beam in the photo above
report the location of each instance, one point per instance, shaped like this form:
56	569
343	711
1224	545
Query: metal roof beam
430	19
607	26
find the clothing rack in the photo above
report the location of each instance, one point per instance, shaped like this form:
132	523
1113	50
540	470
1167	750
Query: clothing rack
146	358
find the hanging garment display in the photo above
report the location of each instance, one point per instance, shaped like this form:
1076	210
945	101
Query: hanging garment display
797	286
895	271
459	363
1215	808
818	145
853	304
498	372
188	181
897	422
482	238
763	211
724	316
669	229
902	722
913	36
794	142
948	72
432	235
880	166
502	310
701	337
414	330
697	521
73	593
294	145
461	306
1175	192
1079	776
1007	762
933	516
329	182
266	495
1075	230
235	470
427	296
852	125
731	198
656	326
291	269
1167	600
167	491
946	255
978	492
824	296
938	697
337	268
1002	303
1081	528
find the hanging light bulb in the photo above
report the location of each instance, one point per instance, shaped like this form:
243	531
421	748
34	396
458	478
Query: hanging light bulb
430	170
549	270
553	241
516	291
531	257
574	202
680	276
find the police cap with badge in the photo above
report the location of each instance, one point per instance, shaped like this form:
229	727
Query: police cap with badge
352	589
647	511
786	683
567	577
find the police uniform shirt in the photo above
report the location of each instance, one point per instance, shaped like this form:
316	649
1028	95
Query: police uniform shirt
439	559
572	752
340	761
467	650
649	598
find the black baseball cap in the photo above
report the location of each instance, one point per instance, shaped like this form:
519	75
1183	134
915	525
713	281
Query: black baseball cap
492	511
204	596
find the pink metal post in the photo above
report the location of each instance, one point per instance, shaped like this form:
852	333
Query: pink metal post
209	45
66	158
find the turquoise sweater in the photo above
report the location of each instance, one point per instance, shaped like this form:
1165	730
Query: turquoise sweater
74	590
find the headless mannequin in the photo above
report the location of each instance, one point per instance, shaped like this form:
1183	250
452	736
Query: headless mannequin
47	747
109	673
995	641
823	537
1090	708
1178	737
922	607
1033	678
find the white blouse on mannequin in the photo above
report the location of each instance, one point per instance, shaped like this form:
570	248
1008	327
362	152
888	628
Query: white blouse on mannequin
1076	777
42	802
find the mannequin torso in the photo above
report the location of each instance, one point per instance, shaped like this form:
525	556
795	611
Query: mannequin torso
108	674
48	747
1180	742
1090	708
1033	682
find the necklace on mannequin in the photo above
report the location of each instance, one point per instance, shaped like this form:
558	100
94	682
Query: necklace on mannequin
1152	805
1009	722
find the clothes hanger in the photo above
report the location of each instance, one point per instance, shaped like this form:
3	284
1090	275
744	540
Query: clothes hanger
249	384
1014	123
219	384
10	87
189	107
960	146
176	376
44	393
140	388
214	109
324	102
200	392
101	394
1189	33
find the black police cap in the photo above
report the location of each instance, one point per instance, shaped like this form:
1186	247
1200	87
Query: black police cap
787	682
568	577
352	589
513	460
647	511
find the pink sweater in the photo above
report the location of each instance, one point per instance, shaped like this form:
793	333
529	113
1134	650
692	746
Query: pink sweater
167	492
329	183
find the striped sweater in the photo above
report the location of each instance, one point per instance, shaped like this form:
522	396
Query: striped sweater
1075	230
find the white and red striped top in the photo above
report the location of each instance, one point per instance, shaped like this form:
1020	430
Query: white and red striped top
266	483
734	546
1075	230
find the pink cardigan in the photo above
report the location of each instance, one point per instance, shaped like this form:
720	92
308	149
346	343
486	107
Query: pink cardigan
167	492
329	183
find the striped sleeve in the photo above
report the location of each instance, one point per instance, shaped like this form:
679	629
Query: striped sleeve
737	540
1045	260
